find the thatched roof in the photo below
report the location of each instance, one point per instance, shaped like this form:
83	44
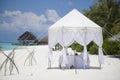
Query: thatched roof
27	36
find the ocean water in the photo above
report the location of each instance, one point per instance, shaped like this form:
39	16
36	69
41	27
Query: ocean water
8	46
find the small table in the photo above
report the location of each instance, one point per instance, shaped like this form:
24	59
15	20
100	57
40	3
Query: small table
75	61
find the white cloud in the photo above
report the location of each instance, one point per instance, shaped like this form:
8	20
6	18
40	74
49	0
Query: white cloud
52	15
5	26
11	13
17	20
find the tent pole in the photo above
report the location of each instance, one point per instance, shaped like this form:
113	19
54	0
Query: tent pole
100	65
84	64
75	63
75	71
49	64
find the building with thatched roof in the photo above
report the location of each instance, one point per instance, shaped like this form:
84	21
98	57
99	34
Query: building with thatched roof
27	38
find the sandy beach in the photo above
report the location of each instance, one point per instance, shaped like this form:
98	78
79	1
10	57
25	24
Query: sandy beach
110	69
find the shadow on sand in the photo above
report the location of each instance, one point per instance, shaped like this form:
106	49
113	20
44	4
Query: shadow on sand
91	67
114	56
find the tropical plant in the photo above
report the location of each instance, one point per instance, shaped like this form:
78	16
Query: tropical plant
79	48
110	47
93	49
76	47
106	13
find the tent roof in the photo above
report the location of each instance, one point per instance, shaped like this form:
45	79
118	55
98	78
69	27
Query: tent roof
74	19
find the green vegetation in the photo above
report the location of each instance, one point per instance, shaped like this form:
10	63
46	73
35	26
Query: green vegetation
110	47
93	49
76	47
105	13
79	48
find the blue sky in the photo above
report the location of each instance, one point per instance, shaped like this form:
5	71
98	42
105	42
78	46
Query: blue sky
18	16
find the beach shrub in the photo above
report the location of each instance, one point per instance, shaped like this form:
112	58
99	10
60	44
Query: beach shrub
73	46
110	48
89	45
119	49
79	48
76	47
115	29
119	52
93	49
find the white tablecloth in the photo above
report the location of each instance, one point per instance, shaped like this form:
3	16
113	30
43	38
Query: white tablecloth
75	61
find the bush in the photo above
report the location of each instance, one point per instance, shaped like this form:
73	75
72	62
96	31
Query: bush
115	29
93	49
119	52
110	47
79	48
76	47
73	46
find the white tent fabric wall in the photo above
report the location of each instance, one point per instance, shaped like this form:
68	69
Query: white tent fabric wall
75	27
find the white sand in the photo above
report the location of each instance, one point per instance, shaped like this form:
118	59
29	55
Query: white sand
110	69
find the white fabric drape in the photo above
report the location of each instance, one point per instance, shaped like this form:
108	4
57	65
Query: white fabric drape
84	36
100	56
98	39
55	36
85	54
66	36
79	37
64	51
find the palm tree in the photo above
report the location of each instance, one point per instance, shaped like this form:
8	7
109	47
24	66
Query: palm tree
106	13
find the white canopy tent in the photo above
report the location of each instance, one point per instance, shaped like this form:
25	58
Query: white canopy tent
75	27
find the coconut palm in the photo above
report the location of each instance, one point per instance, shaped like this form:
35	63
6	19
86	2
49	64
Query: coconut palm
106	13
